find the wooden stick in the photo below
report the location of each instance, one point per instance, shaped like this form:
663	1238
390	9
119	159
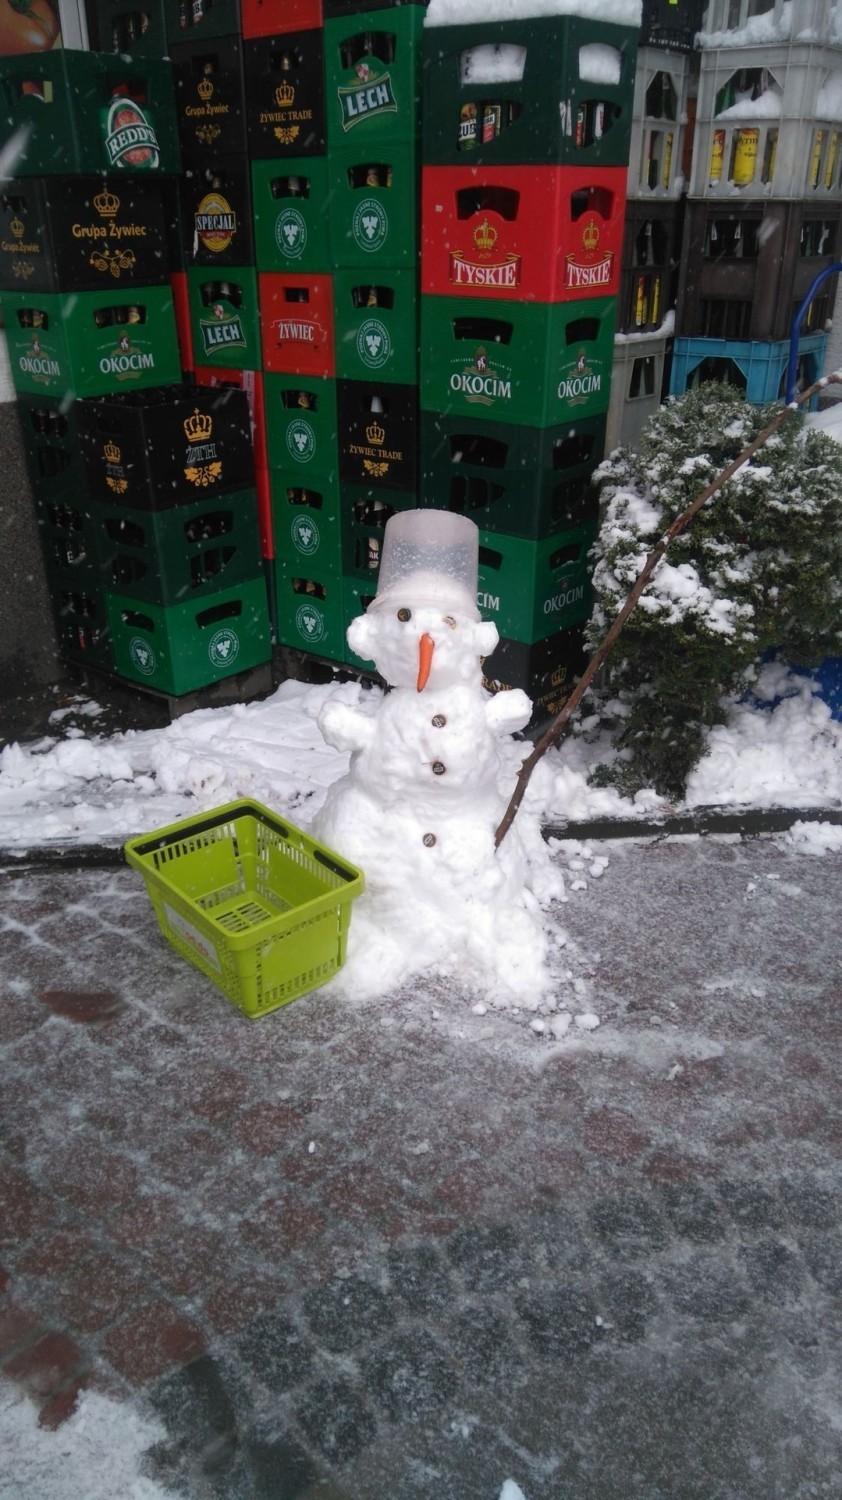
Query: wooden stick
559	724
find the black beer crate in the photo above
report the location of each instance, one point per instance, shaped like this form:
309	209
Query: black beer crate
193	20
522	92
210	99
215	213
68	533
83	630
285	95
364	518
521	481
136	27
171	556
671	24
177	648
84	112
51	445
153	450
378	434
60	234
547	671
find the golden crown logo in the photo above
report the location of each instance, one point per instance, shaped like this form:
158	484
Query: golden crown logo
590	235
485	236
205	89
106	204
111	453
375	433
284	94
17	228
198	428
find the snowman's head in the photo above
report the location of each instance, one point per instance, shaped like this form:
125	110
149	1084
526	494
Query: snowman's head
425	631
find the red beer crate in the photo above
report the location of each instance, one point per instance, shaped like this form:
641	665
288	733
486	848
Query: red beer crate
296	315
269	17
541	233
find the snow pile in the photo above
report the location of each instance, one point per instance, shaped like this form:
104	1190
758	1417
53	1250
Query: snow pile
767	106
829	102
95	1455
490	63
471	12
757	31
600	64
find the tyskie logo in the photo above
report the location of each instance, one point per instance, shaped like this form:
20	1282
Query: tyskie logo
479	267
130	139
587	270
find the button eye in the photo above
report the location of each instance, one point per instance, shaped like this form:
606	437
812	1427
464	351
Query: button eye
404	614
449	620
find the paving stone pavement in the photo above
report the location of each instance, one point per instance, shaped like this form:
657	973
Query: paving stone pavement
401	1251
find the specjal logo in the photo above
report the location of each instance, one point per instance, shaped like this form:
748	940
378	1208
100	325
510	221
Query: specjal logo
301	440
305	535
373	343
309	622
370	225
291	233
215	223
130	140
223	647
142	656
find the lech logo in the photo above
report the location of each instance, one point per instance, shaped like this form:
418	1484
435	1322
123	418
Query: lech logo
305	535
223	647
301	440
373	343
370	225
142	655
291	233
309	622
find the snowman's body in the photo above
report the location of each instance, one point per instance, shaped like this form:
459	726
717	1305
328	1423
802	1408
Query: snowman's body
430	775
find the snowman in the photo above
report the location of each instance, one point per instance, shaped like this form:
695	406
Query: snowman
431	771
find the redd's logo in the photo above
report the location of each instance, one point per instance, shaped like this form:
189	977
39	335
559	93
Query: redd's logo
130	140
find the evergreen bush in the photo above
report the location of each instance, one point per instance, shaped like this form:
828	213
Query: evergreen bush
758	569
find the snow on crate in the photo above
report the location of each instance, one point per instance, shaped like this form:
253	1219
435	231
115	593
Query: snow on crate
468	12
430	776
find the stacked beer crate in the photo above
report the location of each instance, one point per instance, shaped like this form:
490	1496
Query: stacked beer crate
119	448
337	236
526	127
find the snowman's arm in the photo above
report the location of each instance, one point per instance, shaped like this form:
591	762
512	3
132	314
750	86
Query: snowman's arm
508	711
344	728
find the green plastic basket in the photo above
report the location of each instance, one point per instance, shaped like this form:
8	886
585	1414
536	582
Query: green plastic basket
260	907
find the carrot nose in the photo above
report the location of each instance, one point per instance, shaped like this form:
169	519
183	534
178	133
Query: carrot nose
426	647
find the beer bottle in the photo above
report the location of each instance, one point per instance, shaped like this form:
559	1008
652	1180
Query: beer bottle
304	400
467	137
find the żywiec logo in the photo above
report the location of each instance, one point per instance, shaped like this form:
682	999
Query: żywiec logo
291	233
588	270
482	383
215	222
130	140
202	466
373	343
299	331
301	440
370	225
580	382
223	647
305	535
309	622
372	94
222	330
480	269
115	474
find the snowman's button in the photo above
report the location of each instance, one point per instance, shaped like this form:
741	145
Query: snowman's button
428	840
439	721
439	768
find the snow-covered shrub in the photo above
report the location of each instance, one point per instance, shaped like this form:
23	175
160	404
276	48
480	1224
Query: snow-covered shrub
759	567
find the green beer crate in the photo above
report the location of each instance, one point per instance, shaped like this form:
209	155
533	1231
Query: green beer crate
91	343
551	89
224	317
310	608
172	556
301	423
522	481
373	76
86	112
306	523
532	589
364	516
178	648
376	325
291	227
536	363
373	205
